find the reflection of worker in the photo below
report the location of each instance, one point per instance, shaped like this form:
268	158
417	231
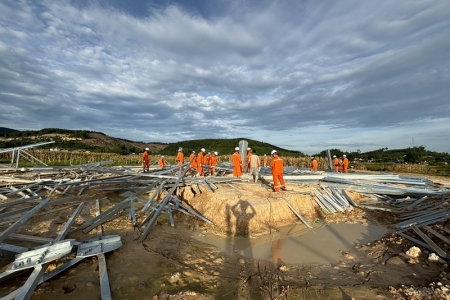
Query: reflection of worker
213	162
180	156
199	162
192	161
266	159
145	161
162	162
277	171
255	164
314	164
237	163
276	252
344	164
336	164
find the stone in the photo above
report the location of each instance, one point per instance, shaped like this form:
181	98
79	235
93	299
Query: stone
413	252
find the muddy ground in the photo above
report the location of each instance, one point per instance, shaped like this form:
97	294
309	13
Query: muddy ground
172	264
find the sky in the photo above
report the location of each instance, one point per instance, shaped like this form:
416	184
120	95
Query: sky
302	75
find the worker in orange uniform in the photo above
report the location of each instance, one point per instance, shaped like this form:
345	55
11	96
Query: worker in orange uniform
277	171
213	162
237	163
249	155
266	160
336	163
180	156
314	164
199	162
192	161
206	162
145	161
162	162
344	164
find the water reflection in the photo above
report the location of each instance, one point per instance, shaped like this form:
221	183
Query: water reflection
298	244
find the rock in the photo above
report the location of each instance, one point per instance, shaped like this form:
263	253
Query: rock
283	268
175	277
413	252
433	257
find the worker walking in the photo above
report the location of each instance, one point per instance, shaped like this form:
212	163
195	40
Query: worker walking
213	162
180	156
266	160
249	154
336	164
145	161
277	171
200	161
345	164
314	164
162	162
255	164
237	163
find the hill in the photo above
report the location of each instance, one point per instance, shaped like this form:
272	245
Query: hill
82	140
6	130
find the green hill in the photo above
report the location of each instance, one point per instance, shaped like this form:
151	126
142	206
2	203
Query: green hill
6	130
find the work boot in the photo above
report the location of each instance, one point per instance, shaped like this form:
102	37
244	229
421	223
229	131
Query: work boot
283	188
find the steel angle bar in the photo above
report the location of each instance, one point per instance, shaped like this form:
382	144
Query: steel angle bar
146	189
425	245
10	251
152	198
105	289
106	216
197	188
321	205
375	208
415	203
132	215
349	199
339	195
234	188
16	191
322	199
162	204
30	238
297	213
169	212
22	220
207	186
211	184
330	201
432	244
417	221
333	200
64	231
437	234
21	200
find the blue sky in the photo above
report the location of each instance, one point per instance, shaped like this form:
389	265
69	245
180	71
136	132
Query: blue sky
303	75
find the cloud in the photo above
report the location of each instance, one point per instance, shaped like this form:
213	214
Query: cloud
295	74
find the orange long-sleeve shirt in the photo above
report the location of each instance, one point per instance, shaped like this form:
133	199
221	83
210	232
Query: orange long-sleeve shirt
314	165
145	156
237	164
345	165
277	165
193	162
161	163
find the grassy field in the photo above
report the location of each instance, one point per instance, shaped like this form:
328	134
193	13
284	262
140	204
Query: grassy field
439	170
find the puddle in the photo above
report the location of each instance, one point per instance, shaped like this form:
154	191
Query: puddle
299	244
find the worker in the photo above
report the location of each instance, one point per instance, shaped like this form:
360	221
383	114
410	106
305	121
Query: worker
266	160
237	163
162	162
213	162
249	154
255	164
192	161
336	164
277	171
180	156
314	164
200	161
344	164
206	162
145	161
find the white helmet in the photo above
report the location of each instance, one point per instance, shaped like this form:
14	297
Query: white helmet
249	148
265	155
180	149
209	152
216	153
344	155
236	149
273	152
162	156
203	149
146	149
334	156
193	151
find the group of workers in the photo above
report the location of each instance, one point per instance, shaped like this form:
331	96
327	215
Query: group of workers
206	163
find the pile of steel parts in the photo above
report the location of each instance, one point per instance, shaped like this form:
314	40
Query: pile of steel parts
42	188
